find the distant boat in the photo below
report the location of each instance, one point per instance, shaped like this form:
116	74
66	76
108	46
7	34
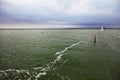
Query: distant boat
102	29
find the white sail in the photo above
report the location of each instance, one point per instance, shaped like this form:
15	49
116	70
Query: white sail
102	28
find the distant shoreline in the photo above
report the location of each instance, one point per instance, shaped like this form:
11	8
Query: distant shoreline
56	26
52	28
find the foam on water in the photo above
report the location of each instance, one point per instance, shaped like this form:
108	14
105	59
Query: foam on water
16	72
65	61
42	71
58	58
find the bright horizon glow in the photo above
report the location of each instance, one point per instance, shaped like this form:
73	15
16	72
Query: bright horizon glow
36	26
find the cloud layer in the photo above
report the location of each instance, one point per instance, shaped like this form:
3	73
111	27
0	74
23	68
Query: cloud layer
60	10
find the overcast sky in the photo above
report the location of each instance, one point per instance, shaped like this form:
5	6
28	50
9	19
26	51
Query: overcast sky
54	11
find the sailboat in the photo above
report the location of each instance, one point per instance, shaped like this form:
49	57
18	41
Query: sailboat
102	29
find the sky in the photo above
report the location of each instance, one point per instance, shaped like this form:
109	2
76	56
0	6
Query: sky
60	11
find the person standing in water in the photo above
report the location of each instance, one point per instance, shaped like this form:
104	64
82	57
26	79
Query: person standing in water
94	39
